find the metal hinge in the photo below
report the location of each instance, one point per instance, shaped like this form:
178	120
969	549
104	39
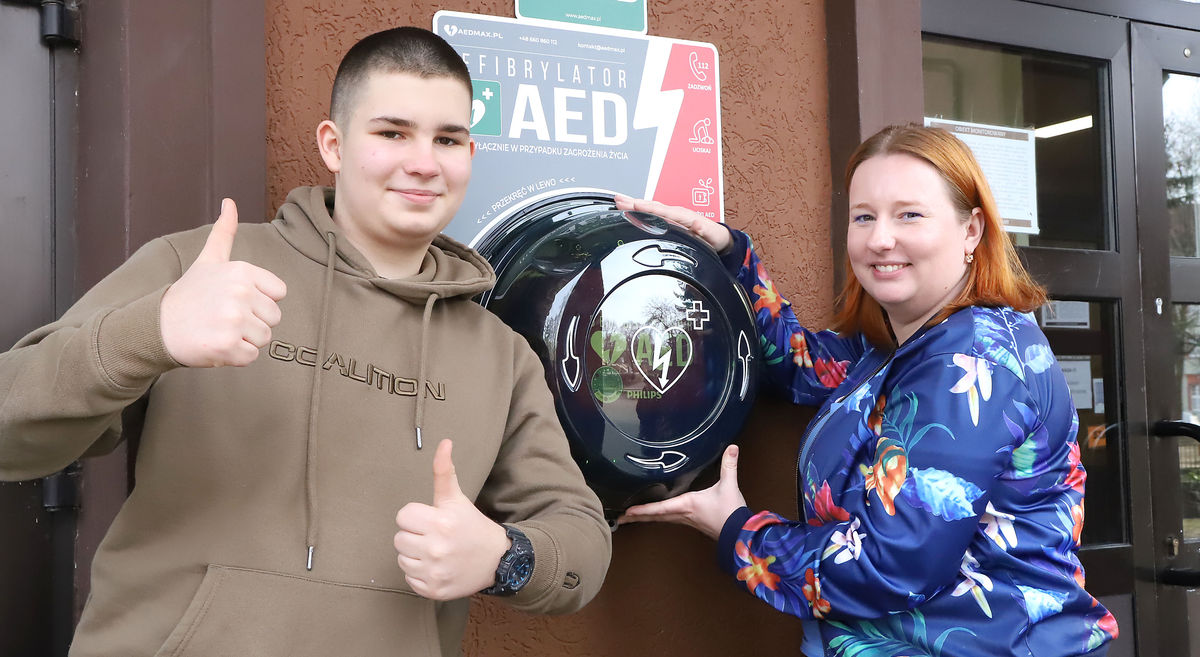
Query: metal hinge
60	20
60	491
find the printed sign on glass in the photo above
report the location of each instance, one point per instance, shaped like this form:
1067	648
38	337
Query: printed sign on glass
1006	156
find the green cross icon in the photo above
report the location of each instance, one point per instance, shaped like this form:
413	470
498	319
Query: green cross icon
485	108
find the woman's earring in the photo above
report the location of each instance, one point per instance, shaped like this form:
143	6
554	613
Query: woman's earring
970	258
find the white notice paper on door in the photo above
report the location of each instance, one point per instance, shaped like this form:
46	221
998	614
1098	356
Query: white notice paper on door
1066	314
1078	370
1006	156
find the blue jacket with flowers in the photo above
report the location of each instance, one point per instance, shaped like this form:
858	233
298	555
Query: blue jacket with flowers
942	490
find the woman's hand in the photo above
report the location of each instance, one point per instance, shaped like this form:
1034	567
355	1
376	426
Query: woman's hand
706	510
715	234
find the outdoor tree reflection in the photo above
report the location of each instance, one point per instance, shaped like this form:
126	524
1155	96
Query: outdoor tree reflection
1181	130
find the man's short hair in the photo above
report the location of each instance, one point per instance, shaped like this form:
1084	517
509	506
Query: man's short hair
399	50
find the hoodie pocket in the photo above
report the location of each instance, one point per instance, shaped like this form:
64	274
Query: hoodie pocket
238	611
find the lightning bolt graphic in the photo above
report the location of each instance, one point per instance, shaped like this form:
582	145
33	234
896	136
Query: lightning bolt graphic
657	108
663	359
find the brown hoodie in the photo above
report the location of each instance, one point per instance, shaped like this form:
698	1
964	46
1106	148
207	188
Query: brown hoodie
262	518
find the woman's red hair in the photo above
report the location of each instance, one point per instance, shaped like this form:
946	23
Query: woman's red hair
996	277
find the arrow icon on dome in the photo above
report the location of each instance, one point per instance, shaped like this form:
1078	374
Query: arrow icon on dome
676	461
571	360
655	256
744	355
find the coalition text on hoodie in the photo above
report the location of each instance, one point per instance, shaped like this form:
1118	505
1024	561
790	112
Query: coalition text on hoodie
349	368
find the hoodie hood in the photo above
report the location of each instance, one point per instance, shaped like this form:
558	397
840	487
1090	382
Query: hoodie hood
450	269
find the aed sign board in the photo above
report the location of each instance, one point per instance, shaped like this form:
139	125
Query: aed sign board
557	109
617	14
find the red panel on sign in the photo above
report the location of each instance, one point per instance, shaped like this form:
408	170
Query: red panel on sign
691	174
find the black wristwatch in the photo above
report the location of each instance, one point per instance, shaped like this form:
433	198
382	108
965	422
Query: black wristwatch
515	567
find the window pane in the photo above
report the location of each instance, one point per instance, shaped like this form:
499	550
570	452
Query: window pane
1185	319
1181	127
1083	338
1060	98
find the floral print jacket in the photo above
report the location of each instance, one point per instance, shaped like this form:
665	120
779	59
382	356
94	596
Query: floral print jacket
941	486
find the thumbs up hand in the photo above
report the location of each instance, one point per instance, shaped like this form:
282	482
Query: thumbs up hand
220	312
706	510
449	550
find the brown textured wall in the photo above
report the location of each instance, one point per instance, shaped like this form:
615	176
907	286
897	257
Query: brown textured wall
664	595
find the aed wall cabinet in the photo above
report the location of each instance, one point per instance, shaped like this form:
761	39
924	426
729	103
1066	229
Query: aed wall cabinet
649	344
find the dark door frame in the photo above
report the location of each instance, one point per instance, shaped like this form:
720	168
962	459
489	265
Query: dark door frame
874	81
37	553
1174	13
1104	275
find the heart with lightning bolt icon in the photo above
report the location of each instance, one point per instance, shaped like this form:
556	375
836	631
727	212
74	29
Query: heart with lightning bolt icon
669	355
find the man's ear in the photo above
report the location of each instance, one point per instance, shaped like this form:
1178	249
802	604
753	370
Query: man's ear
329	142
472	148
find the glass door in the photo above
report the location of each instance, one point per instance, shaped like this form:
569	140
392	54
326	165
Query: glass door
1166	102
1064	77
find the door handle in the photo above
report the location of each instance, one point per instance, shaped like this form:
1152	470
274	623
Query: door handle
1168	428
1189	577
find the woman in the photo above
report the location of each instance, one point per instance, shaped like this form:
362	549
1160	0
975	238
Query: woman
941	483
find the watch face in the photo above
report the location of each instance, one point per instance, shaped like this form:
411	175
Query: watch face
520	572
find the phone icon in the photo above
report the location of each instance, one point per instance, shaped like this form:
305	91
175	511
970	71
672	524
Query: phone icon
699	69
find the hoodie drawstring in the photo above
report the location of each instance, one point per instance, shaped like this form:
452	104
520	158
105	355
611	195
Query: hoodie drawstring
310	461
424	387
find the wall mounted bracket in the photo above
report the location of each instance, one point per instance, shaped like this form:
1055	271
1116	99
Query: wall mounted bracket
59	20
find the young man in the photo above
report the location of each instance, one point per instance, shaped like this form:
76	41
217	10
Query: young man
301	381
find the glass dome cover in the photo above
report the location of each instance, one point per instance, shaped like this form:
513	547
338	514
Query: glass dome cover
649	344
